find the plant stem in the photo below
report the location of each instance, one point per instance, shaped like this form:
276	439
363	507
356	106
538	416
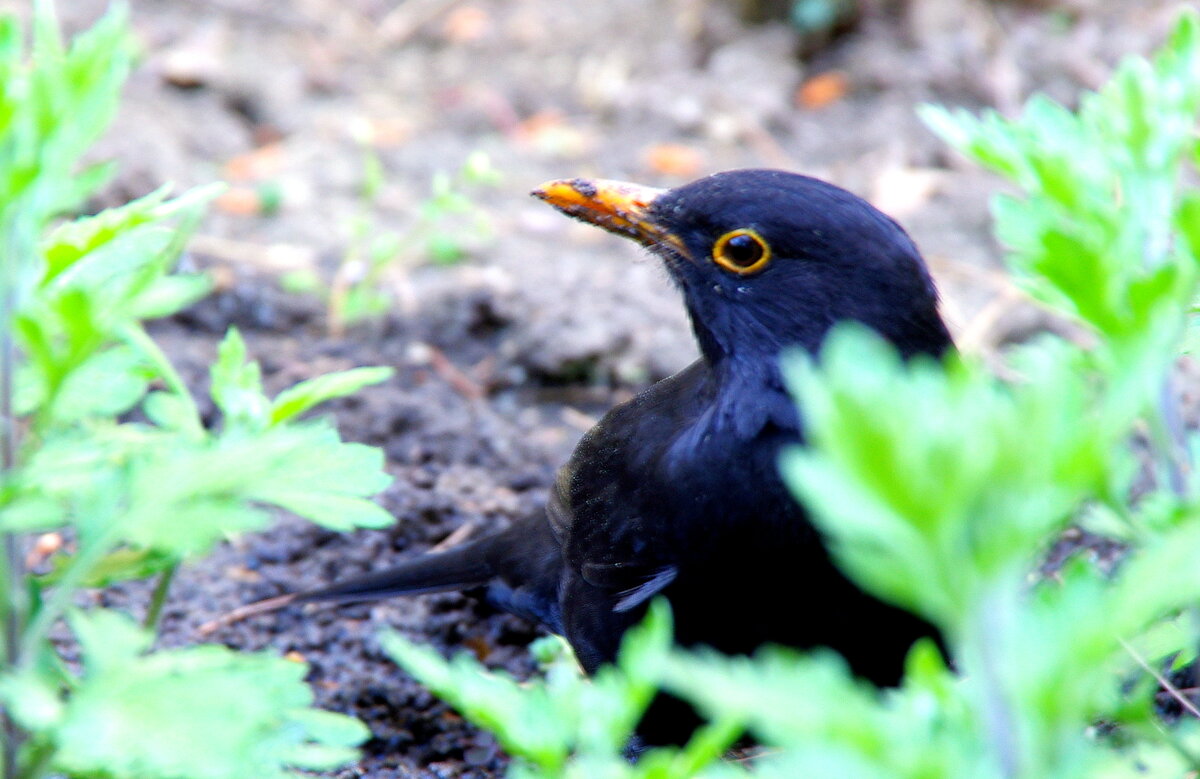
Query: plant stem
12	585
1168	435
999	717
136	337
133	334
10	570
159	598
91	551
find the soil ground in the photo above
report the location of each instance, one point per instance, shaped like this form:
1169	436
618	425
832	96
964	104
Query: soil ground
504	358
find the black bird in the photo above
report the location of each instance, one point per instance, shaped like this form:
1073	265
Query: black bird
676	492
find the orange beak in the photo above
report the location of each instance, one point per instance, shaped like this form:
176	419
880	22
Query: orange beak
616	206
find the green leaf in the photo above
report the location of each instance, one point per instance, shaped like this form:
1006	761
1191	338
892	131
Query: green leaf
763	694
120	565
237	385
300	398
177	494
1100	188
109	383
33	700
529	723
74	240
162	714
172	412
336	512
543	722
187	497
319	462
918	512
167	295
31	513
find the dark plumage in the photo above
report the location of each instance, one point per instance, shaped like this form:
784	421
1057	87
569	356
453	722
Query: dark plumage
676	492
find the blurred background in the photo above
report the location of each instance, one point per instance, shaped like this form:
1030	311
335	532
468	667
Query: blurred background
332	120
379	155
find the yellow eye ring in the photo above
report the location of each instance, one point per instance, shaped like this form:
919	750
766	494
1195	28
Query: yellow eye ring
741	251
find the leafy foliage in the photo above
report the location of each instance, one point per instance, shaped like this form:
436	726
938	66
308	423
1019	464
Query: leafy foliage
1092	232
182	712
115	458
567	725
941	488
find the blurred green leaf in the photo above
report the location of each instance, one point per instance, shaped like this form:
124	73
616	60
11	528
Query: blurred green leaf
30	513
237	385
172	412
119	565
909	502
33	700
301	397
1100	190
546	721
75	240
133	498
108	383
168	295
189	712
336	512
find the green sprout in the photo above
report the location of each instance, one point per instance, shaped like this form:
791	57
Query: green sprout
446	228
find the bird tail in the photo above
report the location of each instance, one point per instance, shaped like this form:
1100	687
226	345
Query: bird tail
469	565
459	568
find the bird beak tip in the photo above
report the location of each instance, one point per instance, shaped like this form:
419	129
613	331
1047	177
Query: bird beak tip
558	191
616	206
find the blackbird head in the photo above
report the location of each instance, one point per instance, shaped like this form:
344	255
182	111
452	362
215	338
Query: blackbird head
768	259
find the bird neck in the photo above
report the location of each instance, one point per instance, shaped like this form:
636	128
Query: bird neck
741	348
750	395
741	340
744	357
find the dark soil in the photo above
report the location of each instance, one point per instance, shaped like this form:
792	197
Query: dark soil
502	360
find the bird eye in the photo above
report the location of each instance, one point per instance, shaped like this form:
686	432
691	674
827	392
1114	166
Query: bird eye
741	251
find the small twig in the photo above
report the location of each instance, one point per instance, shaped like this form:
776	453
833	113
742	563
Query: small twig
750	754
266	606
247	611
1165	683
989	277
460	534
272	257
1188	690
974	337
454	376
577	419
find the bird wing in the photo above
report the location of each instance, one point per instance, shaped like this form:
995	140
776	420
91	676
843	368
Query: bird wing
632	598
607	510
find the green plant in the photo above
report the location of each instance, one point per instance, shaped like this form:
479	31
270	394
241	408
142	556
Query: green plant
103	444
566	725
941	488
445	228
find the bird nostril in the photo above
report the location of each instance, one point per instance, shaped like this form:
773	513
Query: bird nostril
584	187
